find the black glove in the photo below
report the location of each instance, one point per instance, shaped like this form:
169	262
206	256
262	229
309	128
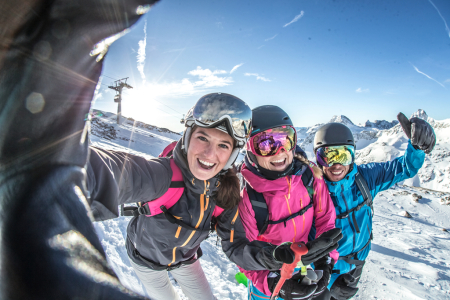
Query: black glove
340	289
291	289
325	264
317	248
420	133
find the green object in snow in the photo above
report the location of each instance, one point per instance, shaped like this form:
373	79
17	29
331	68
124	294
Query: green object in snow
241	278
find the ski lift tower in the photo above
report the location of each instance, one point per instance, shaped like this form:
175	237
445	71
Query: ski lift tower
118	86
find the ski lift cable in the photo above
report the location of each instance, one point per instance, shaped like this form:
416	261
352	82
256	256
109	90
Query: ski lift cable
110	77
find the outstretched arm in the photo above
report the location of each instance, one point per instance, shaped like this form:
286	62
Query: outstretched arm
381	176
114	178
50	249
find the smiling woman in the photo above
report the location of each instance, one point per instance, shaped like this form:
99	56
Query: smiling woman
209	151
216	128
292	191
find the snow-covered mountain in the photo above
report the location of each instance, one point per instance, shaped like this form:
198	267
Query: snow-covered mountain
131	136
409	257
383	141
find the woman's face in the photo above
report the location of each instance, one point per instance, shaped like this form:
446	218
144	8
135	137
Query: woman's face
278	163
208	152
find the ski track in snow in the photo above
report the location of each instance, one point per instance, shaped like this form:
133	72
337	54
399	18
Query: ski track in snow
409	257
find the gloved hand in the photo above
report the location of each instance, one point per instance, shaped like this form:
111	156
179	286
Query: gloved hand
340	289
317	248
325	264
420	133
291	289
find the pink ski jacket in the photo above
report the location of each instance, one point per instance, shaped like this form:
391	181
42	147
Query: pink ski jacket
285	196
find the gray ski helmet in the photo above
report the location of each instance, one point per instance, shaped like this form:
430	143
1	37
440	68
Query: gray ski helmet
224	112
333	134
268	116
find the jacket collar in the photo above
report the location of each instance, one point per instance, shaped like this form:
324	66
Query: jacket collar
343	184
195	185
261	184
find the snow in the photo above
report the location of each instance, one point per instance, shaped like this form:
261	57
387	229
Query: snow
409	257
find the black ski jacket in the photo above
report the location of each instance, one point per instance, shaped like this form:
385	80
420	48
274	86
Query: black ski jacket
115	178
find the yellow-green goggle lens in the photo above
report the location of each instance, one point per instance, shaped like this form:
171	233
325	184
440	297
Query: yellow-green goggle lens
328	156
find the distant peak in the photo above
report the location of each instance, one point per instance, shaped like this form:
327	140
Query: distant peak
380	124
421	114
341	119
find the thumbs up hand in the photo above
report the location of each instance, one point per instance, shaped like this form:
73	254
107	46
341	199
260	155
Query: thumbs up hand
420	132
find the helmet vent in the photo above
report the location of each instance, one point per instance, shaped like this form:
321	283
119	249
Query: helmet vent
349	141
285	118
319	143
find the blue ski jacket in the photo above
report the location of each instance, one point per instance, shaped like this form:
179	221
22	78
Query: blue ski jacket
357	227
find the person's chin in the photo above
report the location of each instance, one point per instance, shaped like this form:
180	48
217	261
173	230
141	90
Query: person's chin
205	174
336	177
278	166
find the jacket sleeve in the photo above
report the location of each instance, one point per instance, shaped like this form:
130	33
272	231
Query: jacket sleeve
381	176
324	211
254	258
115	178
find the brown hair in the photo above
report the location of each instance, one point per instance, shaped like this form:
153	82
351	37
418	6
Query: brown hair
228	193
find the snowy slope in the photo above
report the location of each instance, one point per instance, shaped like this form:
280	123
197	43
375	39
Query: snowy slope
409	257
382	143
130	136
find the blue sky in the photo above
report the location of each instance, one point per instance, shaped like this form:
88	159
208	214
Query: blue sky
315	59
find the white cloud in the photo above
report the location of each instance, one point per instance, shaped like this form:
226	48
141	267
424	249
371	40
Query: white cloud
260	47
271	38
297	17
141	53
203	81
417	70
257	76
361	90
235	68
447	81
208	78
446	26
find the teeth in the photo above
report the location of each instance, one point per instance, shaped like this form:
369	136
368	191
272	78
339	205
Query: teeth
206	163
278	161
337	173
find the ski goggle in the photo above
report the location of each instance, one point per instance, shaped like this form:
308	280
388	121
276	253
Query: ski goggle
330	155
271	141
224	112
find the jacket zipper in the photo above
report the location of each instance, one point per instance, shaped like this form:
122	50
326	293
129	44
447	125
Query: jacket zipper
202	201
349	220
301	206
207	196
320	198
289	207
232	225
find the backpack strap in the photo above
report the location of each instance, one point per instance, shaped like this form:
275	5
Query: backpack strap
166	201
217	211
361	183
308	180
363	187
259	204
352	258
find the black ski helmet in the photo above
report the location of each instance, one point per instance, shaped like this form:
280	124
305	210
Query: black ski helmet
263	118
268	116
333	134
